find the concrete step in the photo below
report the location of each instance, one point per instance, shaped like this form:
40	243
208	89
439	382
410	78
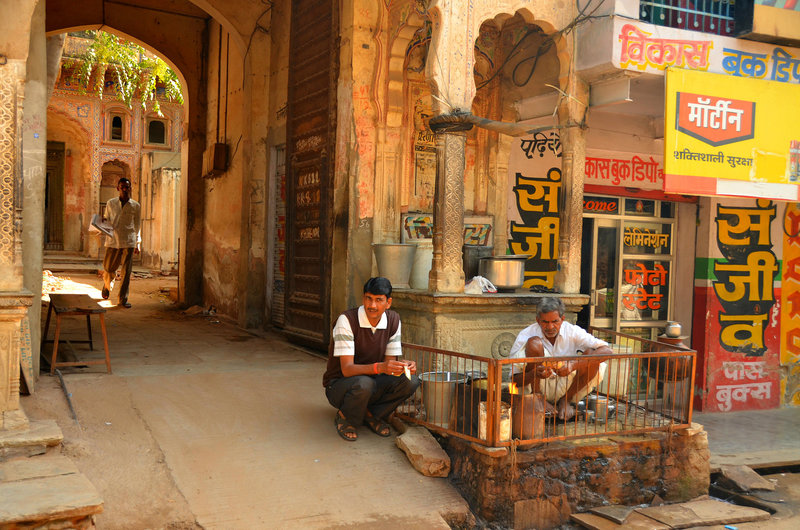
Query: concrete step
39	435
74	268
46	490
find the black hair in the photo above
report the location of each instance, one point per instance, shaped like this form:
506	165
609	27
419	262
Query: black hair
378	286
549	304
124	179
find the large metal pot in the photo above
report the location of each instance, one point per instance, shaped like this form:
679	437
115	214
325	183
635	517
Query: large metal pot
505	272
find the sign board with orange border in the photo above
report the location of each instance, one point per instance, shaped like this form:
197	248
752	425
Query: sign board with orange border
732	136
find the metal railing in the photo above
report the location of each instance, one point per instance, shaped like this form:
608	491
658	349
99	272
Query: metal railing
644	386
708	16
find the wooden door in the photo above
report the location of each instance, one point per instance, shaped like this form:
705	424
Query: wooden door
311	128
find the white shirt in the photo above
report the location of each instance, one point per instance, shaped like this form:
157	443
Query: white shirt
344	344
126	221
569	340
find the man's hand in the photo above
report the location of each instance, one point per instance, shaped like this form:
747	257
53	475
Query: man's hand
392	367
566	368
412	366
543	371
550	368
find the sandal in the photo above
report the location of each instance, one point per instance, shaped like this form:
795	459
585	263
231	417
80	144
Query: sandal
379	427
344	428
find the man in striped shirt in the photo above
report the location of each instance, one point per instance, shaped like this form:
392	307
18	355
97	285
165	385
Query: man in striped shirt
366	379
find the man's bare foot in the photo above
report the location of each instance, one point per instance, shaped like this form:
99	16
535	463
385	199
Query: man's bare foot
565	410
548	407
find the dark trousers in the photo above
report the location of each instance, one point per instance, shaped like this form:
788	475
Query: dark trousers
380	394
111	262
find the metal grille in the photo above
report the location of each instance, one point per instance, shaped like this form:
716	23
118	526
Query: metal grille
644	386
708	16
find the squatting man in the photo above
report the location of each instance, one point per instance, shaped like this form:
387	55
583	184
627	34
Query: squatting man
365	379
561	383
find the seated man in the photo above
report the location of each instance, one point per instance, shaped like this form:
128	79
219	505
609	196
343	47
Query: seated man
561	383
366	379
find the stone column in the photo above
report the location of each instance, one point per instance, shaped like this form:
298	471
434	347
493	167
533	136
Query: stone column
447	273
573	162
14	299
34	161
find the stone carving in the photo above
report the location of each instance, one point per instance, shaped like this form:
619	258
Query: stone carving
454	202
501	345
447	275
8	159
455	27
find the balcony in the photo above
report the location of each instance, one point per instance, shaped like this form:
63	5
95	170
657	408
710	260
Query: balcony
646	387
707	16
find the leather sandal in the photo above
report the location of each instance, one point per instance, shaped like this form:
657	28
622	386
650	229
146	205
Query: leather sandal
379	427
345	428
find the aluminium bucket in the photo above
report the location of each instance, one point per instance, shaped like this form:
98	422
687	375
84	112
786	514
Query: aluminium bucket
437	395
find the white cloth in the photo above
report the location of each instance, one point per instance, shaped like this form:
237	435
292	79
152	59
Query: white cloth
569	340
343	341
126	221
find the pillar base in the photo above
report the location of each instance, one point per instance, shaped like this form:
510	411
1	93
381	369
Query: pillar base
13	420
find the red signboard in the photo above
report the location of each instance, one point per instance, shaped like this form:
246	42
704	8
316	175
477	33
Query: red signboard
715	120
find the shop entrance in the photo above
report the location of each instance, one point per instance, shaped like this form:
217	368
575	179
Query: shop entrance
627	264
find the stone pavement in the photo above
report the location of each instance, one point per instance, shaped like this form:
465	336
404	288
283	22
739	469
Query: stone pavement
755	438
199	415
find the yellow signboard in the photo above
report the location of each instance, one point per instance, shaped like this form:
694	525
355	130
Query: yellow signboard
727	135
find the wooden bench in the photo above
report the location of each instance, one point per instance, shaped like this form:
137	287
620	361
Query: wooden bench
75	304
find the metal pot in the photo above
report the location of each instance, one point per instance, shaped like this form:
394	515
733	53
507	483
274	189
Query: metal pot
505	272
672	329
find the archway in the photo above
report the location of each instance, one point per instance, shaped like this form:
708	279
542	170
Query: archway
179	36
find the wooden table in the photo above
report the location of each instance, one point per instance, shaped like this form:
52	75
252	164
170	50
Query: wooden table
75	304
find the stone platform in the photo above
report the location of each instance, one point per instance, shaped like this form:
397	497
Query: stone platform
484	325
540	487
39	490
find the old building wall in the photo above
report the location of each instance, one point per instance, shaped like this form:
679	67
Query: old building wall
275	144
34	160
254	260
737	331
160	201
223	193
77	173
82	123
15	32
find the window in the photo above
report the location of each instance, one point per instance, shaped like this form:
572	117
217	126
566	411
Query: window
156	132
117	129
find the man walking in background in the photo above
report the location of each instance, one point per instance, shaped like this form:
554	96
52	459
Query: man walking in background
124	216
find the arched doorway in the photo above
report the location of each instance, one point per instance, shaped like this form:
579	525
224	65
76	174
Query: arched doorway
111	172
54	197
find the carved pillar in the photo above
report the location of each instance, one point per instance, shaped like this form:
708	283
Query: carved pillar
14	300
573	161
447	273
387	211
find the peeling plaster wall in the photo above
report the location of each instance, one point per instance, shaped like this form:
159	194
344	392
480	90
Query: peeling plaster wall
223	194
276	138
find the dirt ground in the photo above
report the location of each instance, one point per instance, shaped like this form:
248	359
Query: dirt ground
110	442
202	425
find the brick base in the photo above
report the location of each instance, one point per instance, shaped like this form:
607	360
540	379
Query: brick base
541	486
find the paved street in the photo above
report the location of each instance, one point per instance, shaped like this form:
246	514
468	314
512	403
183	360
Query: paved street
203	422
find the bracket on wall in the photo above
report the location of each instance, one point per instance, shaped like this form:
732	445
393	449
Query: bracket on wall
610	92
215	160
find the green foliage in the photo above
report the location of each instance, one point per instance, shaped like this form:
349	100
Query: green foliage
136	73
